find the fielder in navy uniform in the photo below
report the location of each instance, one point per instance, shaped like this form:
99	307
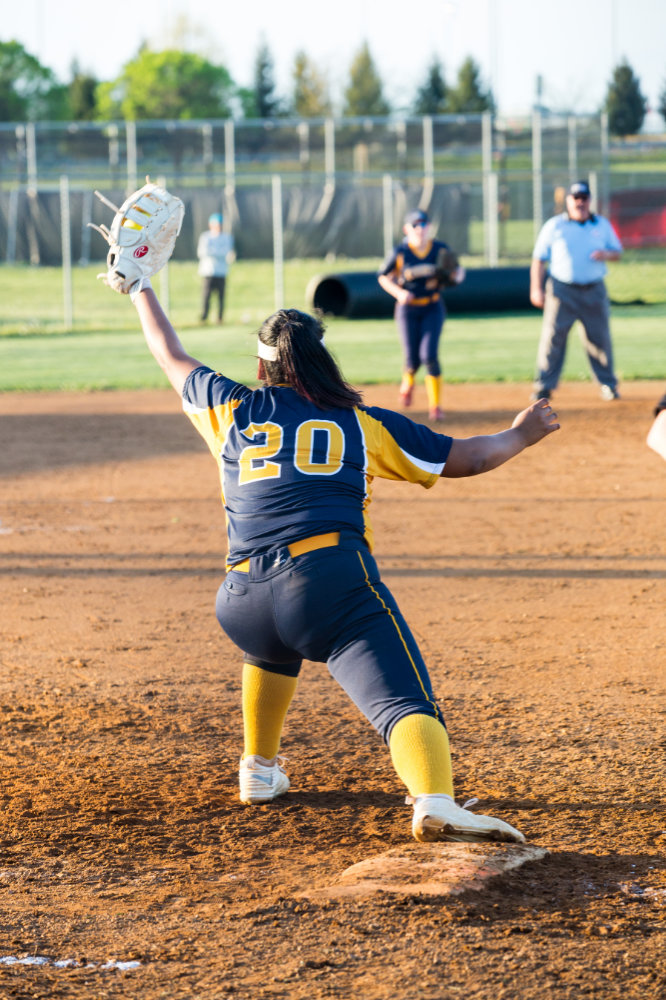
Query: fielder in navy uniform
296	459
574	246
411	274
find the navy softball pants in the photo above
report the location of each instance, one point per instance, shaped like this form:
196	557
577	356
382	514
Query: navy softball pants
329	606
420	328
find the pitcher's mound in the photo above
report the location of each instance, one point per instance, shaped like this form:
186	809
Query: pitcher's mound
445	869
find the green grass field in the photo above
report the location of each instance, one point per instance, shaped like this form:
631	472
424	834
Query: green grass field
105	350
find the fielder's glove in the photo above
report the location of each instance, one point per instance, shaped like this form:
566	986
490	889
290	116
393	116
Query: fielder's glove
141	238
445	267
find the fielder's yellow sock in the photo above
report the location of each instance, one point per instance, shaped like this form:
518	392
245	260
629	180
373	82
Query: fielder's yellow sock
433	384
420	753
266	699
407	381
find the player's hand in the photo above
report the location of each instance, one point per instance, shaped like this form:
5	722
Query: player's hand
405	297
536	422
598	255
537	297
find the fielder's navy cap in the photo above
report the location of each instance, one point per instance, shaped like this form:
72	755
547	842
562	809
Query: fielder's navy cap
413	218
580	187
215	217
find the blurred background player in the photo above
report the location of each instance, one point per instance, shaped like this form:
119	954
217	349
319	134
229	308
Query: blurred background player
656	438
296	459
215	250
575	245
413	275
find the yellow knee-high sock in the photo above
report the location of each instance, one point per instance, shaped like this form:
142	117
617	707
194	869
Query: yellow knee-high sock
266	699
433	384
419	747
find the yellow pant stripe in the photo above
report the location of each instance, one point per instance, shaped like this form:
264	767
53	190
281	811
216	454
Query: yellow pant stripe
389	612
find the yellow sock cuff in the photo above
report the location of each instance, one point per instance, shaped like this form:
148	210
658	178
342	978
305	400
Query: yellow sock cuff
407	380
266	700
433	384
420	753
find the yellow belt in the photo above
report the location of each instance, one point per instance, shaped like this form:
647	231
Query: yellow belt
424	302
299	548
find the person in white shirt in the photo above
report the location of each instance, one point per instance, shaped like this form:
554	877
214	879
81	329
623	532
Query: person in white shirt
215	251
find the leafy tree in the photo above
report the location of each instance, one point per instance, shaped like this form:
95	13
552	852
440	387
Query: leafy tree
432	94
310	96
167	84
625	104
468	96
364	94
28	90
265	103
81	94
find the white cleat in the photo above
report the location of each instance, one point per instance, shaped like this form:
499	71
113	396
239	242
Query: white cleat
261	780
437	817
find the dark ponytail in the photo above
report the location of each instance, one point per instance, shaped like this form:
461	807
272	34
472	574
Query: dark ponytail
303	362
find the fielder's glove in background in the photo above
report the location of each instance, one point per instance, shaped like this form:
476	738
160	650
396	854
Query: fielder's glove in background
141	238
445	267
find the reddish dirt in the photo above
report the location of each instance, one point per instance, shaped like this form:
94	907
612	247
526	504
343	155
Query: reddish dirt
537	593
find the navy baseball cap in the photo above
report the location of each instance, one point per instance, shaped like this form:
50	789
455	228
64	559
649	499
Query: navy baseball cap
579	188
414	218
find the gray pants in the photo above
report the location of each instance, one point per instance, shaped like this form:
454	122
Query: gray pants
563	306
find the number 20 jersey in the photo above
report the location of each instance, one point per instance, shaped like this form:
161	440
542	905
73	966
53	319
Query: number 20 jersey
290	470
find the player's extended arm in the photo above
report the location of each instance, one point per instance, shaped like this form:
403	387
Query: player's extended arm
471	456
163	340
403	296
537	275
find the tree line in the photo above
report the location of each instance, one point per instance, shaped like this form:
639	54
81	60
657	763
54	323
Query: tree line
176	84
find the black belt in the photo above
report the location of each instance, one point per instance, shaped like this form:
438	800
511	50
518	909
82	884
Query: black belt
574	284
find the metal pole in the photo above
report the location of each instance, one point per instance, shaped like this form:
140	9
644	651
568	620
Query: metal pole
66	239
278	242
31	155
329	150
229	157
490	188
164	273
130	133
573	148
12	225
537	173
604	198
428	151
387	207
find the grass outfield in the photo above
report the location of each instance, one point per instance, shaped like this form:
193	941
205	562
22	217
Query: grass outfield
105	350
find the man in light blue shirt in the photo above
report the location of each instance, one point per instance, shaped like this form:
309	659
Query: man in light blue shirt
574	246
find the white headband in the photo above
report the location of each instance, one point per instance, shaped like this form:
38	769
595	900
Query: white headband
265	351
269	353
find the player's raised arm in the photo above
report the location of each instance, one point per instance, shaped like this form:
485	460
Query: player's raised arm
471	456
162	339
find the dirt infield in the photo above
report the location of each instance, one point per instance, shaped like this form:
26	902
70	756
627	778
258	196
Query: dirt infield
537	594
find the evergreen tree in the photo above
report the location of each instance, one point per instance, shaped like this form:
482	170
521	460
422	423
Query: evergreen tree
625	104
81	94
310	97
468	96
265	103
432	94
364	95
661	106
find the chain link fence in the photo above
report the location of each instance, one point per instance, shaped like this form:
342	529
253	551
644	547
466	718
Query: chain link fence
488	182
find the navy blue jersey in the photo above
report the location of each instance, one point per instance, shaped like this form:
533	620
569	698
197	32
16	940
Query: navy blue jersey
413	269
290	470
